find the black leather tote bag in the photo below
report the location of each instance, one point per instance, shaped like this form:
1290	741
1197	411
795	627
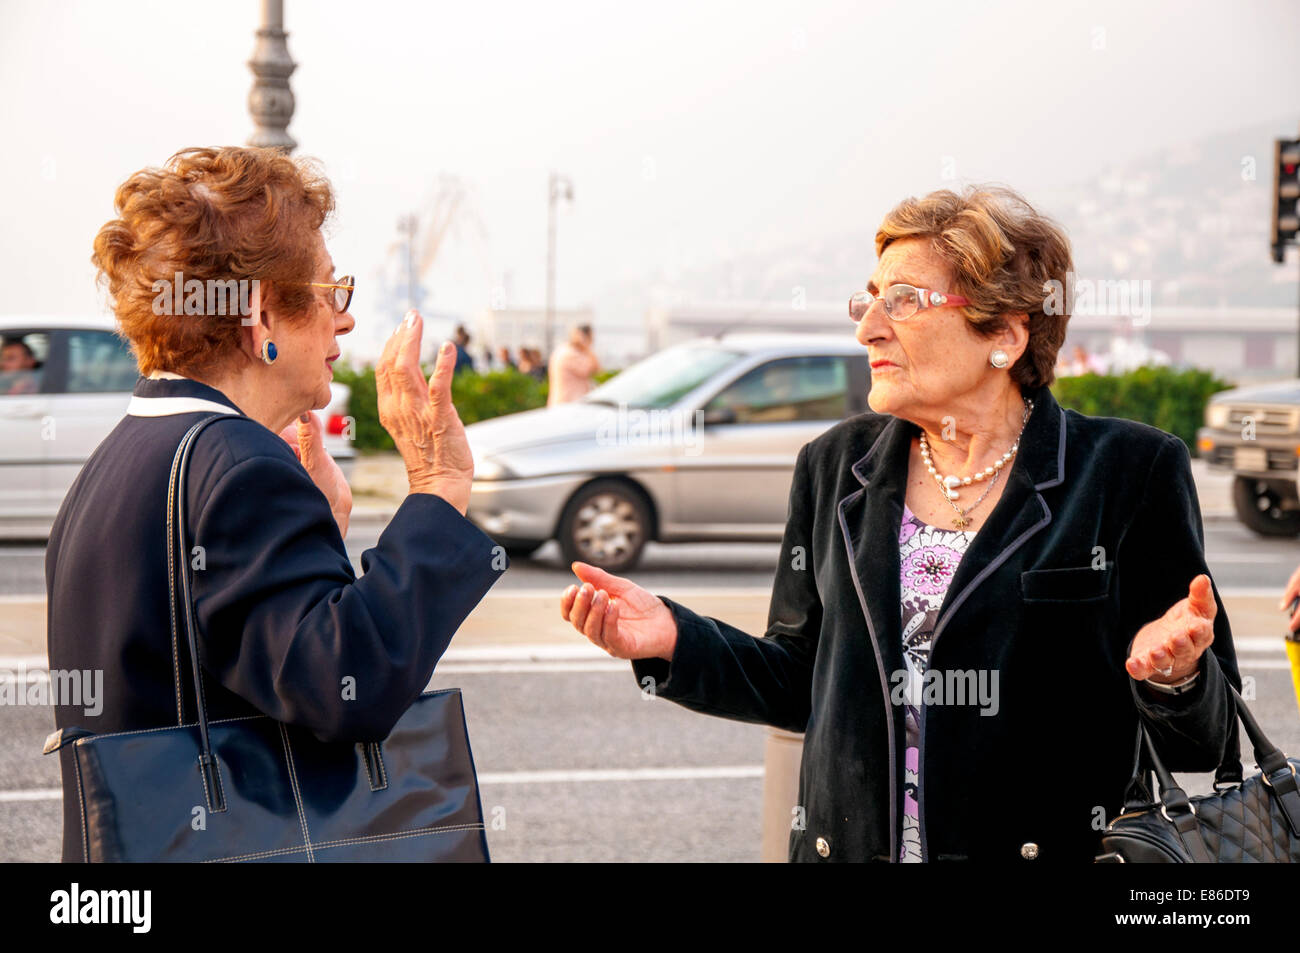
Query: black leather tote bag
254	789
1256	820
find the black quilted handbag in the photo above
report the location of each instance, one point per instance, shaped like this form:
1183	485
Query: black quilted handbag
1256	820
255	789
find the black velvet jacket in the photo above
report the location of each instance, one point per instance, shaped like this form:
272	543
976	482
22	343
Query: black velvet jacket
1050	767
282	618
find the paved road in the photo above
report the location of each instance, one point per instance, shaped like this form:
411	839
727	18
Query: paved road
575	764
1238	559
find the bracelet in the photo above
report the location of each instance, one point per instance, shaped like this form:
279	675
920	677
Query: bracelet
1176	688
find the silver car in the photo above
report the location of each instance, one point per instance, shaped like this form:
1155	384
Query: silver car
695	443
67	383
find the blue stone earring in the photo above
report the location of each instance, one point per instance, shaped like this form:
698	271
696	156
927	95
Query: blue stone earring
268	351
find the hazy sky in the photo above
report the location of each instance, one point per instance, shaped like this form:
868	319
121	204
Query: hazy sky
692	131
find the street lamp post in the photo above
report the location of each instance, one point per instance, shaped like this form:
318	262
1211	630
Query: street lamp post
559	188
270	101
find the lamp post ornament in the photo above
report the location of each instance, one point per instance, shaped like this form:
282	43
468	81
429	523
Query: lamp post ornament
270	101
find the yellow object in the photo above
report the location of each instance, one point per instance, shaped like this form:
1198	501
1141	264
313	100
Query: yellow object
1293	653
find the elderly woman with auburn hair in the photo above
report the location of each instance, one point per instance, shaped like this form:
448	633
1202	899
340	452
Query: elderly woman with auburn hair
282	618
979	593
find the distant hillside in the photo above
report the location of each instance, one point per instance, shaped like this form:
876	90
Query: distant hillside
1186	220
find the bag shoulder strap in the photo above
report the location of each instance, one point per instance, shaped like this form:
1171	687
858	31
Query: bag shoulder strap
208	768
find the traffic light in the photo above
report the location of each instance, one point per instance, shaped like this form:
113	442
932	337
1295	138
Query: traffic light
1286	190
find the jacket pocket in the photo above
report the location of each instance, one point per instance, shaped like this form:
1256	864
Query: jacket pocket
1073	584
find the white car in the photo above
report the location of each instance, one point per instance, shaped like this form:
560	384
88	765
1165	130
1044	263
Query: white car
695	443
74	381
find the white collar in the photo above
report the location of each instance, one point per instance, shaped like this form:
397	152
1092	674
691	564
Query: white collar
168	406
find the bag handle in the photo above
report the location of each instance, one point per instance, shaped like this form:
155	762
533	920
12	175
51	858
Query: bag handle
1278	773
208	768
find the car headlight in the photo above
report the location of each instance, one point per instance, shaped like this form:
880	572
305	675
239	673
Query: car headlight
489	469
1216	416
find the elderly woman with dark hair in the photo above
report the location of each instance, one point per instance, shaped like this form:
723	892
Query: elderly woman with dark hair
284	624
979	593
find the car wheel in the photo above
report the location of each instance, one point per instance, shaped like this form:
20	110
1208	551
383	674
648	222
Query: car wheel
1259	506
606	524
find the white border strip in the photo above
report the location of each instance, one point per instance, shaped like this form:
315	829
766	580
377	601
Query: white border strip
572	776
583	776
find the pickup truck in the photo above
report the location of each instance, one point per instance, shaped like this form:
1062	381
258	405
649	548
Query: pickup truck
1255	432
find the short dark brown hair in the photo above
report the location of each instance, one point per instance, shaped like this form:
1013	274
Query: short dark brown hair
1004	256
212	214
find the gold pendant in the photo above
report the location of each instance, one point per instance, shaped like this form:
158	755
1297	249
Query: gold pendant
961	522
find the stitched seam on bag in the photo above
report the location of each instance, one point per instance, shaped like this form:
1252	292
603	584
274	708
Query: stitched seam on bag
81	798
379	760
297	794
367	839
144	731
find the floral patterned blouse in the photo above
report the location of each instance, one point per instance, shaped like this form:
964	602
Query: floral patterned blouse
928	558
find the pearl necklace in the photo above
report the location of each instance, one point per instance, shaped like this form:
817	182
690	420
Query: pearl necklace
949	484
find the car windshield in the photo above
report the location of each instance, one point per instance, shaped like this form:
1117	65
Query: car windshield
662	379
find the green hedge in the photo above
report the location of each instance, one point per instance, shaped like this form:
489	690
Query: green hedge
1173	400
476	396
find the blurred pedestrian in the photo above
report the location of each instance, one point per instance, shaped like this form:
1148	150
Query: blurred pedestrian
1081	362
464	362
572	367
506	361
531	363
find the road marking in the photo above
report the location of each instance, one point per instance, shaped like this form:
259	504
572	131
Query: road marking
530	668
1281	557
582	656
672	592
580	776
571	776
1253	592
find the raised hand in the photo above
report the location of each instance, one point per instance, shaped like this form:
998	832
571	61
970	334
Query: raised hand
421	418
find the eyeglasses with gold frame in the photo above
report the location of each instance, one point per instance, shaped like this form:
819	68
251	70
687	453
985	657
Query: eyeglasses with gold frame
343	289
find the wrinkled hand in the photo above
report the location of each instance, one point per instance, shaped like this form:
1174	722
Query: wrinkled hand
1169	649
618	615
421	418
308	443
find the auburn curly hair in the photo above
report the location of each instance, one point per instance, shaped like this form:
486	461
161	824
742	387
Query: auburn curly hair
1004	256
212	214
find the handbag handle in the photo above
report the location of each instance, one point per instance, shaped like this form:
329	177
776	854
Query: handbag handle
1277	772
208	768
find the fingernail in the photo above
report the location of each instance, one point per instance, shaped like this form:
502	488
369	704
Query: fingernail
304	418
410	319
446	347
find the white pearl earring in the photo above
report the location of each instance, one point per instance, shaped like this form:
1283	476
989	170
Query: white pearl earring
999	358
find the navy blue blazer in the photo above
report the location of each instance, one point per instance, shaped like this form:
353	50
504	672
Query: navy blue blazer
283	620
1097	533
